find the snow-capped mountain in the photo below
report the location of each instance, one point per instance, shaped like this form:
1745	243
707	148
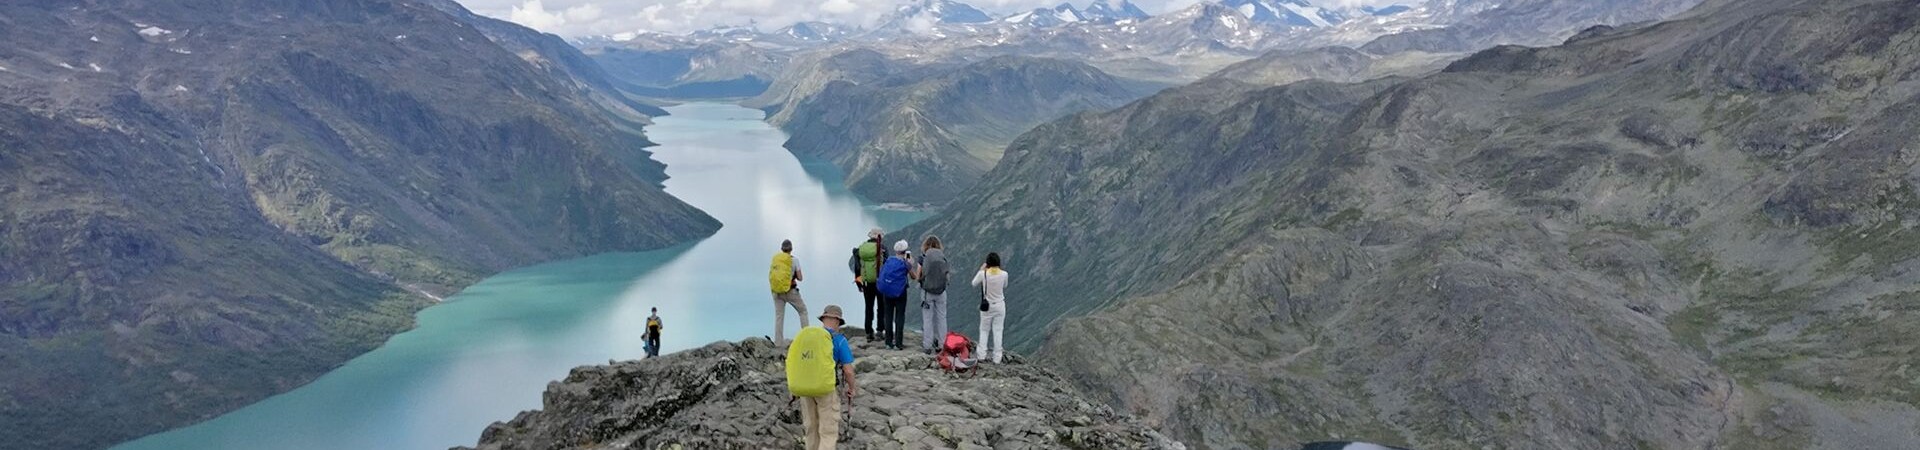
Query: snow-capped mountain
813	32
727	32
931	18
1385	10
1046	17
1203	25
1106	10
1286	13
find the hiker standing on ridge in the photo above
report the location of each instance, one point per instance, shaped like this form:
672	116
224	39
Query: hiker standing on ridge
652	335
866	274
930	267
993	308
784	277
894	275
816	354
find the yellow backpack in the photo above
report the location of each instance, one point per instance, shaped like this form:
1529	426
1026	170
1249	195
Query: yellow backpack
780	277
810	363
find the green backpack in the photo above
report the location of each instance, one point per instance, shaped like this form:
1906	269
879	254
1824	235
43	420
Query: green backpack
810	363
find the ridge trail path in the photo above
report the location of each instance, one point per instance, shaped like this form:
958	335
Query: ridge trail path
732	395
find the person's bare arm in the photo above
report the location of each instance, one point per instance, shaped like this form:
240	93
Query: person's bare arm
853	387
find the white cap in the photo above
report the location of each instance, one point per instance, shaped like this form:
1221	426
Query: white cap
900	247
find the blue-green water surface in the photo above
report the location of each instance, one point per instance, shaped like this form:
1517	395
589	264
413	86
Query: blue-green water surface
487	353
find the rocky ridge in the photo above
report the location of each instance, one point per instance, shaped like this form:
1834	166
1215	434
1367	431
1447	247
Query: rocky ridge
1687	234
732	395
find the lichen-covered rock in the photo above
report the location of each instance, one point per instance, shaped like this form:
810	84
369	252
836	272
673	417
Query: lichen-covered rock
732	395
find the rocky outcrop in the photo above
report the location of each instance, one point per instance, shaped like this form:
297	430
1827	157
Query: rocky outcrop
732	395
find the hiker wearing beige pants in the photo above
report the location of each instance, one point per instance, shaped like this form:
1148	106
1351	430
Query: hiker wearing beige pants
821	417
785	273
780	302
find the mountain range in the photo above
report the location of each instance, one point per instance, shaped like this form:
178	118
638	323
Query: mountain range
1683	234
921	134
1582	224
209	202
1121	39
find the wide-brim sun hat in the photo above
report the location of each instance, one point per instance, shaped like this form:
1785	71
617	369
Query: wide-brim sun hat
834	312
873	233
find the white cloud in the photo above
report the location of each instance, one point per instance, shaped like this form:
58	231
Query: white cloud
606	17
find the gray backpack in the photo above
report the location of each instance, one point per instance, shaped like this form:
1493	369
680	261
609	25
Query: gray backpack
933	272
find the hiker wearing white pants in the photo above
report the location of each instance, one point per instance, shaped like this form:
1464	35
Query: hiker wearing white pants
993	314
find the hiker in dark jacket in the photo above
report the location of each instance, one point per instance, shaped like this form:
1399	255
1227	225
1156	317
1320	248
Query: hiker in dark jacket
652	334
866	273
895	276
930	268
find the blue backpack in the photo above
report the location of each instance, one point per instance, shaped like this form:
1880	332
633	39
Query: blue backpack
893	277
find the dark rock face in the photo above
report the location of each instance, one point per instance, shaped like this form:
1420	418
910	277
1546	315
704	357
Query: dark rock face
733	396
922	134
1677	235
206	202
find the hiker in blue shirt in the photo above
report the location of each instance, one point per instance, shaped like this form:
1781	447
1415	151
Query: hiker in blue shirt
842	348
820	416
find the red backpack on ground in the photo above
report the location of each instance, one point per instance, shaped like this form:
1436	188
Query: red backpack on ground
956	354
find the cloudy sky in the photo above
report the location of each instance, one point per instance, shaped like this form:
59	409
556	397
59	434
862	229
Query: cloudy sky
599	17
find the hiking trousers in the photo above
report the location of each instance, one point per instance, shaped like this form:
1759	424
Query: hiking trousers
992	322
933	320
896	320
870	292
780	302
820	416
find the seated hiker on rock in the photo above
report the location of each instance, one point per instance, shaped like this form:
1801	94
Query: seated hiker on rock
812	361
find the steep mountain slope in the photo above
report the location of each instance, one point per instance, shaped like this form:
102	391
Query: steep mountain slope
207	202
1685	235
1340	64
558	58
923	139
812	72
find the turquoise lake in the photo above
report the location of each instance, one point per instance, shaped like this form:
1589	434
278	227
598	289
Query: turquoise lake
486	354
